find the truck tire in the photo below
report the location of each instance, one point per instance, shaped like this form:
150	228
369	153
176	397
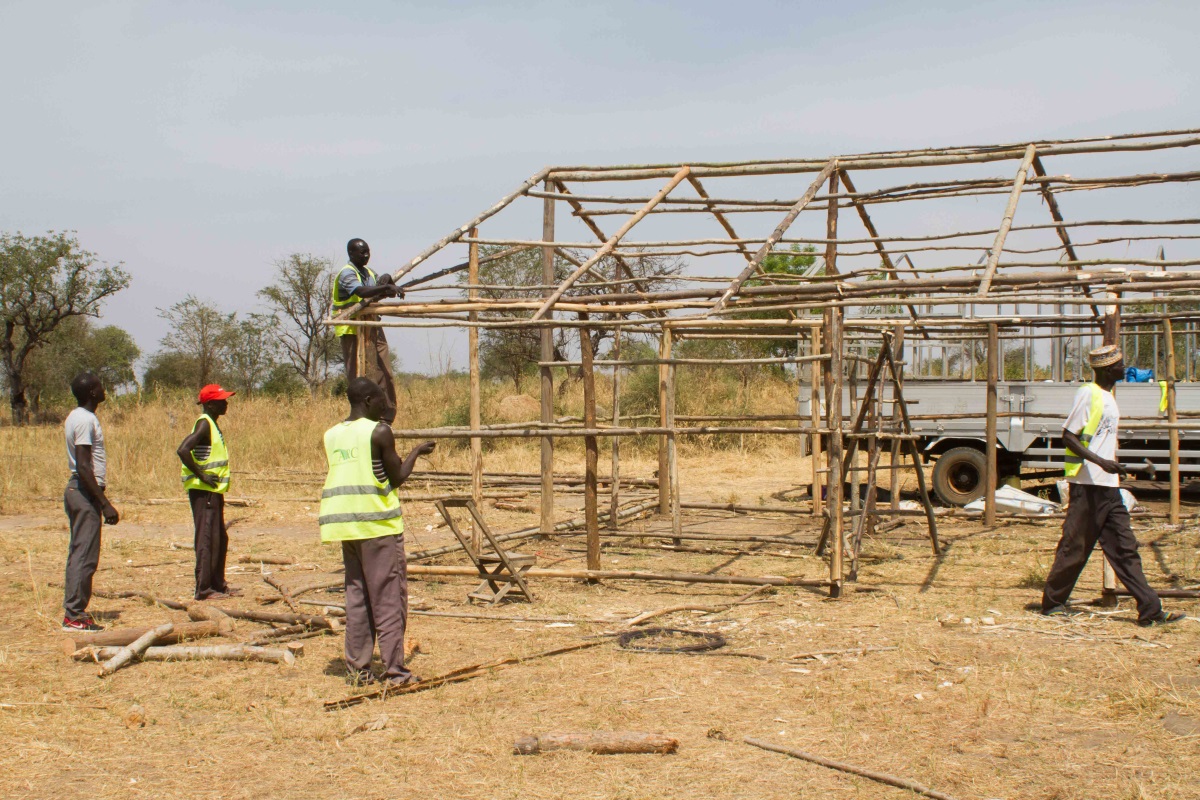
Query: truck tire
958	475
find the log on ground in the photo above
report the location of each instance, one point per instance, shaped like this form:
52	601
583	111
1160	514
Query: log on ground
133	651
219	652
598	742
120	637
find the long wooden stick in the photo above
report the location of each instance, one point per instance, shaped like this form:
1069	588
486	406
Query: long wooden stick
608	246
1006	222
775	236
455	676
841	766
628	575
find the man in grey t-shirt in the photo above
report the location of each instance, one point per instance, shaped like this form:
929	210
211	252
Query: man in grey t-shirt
84	500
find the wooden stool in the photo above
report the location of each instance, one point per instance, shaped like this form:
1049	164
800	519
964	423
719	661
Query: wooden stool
502	572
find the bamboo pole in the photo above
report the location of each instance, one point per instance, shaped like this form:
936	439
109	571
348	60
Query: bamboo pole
546	336
989	478
1006	222
476	389
776	235
591	453
1172	419
609	245
664	465
894	457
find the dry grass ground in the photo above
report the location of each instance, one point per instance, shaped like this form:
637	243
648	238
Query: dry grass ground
1024	707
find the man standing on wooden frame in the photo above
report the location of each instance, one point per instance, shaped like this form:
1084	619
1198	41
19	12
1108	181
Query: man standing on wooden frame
360	509
355	283
1095	511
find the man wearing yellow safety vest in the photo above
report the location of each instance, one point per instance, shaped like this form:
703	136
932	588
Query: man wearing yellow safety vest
1096	511
354	283
360	509
205	475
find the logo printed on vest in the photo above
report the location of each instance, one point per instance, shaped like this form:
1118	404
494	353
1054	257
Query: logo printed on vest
350	454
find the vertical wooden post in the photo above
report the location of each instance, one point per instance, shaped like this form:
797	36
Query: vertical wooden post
664	465
547	376
894	461
475	401
855	475
802	441
833	477
993	375
614	496
1172	418
814	413
673	459
591	449
833	394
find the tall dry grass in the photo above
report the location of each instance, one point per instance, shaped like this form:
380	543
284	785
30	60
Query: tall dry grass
274	436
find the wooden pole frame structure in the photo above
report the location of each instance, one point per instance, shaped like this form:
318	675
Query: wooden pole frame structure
1069	266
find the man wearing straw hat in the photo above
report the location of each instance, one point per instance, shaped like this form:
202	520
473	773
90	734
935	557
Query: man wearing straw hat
1096	512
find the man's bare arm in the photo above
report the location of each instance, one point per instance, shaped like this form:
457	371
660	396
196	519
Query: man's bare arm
92	487
383	446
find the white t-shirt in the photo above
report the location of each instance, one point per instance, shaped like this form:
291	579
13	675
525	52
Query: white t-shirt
82	427
1104	440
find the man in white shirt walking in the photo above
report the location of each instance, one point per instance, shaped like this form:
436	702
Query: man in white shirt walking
84	501
1096	512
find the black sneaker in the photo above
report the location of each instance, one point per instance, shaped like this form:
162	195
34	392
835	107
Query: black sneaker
85	625
1060	611
1164	618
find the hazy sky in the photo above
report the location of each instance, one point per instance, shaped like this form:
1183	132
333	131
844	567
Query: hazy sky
199	142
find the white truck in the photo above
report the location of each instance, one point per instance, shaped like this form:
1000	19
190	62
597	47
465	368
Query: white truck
1029	443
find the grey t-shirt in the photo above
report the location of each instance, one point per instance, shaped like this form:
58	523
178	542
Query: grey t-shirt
82	427
349	280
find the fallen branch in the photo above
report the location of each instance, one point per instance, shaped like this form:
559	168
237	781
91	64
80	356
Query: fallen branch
711	609
454	676
174	605
856	651
120	637
201	611
598	742
220	652
282	561
881	777
127	654
283	591
311	620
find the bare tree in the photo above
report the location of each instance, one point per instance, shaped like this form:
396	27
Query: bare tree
45	280
300	297
197	332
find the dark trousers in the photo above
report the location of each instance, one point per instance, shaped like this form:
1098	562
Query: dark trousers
1096	513
379	365
83	555
212	541
376	603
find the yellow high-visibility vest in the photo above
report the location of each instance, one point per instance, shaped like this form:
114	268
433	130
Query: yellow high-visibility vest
340	303
216	463
1095	412
354	504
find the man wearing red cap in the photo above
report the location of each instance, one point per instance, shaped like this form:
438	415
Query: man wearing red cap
205	475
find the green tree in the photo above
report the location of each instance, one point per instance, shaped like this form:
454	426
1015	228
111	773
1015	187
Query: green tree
196	339
75	346
170	370
45	280
300	299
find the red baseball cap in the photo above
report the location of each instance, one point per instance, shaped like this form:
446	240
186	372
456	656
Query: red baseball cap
214	392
